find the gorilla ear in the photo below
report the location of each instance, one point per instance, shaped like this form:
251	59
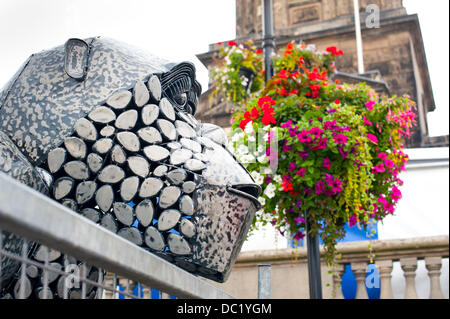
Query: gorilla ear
76	54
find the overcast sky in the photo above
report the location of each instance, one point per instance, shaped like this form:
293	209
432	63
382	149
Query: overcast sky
179	29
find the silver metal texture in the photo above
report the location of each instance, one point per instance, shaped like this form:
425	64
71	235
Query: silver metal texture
143	108
32	215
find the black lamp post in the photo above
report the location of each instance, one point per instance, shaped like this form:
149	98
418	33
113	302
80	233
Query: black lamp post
312	242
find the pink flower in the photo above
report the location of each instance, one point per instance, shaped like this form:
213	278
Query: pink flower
322	144
303	137
287	124
396	194
300	220
389	163
382	200
326	163
303	154
340	139
301	172
382	156
352	220
299	236
369	105
320	187
336	185
316	131
330	125
292	166
372	138
343	153
366	122
378	168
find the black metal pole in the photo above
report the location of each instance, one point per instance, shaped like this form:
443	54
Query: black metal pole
268	38
314	274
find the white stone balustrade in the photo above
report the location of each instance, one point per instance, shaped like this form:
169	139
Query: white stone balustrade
290	272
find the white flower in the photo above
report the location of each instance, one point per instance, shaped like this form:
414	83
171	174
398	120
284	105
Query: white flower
258	178
251	138
266	137
249	128
261	148
266	128
270	190
242	149
278	179
262	200
237	136
263	159
310	47
245	159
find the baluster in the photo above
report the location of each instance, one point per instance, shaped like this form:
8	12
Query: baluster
147	291
433	265
338	271
409	266
360	271
385	270
109	282
165	295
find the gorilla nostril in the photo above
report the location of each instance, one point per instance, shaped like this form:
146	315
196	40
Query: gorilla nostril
250	191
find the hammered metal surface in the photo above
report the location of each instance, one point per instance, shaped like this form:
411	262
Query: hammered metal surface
43	103
178	200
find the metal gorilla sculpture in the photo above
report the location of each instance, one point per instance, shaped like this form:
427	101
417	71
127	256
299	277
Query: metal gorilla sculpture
108	131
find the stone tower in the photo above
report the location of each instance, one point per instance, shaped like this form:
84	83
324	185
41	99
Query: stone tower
393	50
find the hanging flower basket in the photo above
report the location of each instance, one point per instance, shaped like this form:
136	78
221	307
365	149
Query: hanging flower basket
330	149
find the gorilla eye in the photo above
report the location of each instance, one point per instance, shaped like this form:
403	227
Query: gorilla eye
180	99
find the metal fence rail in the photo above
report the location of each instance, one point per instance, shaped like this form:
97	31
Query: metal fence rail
27	213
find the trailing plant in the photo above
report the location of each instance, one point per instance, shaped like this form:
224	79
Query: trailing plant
322	151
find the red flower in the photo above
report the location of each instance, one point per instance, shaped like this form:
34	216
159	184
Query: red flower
283	74
282	91
334	51
265	101
293	92
337	101
254	113
337	81
268	118
244	123
290	46
314	75
219	43
301	60
258	51
232	43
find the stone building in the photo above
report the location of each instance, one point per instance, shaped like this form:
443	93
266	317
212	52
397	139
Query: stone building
394	54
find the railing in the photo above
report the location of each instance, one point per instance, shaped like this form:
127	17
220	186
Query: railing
37	218
405	268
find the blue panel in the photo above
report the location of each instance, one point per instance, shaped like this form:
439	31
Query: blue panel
352	234
156	294
135	291
372	283
348	279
